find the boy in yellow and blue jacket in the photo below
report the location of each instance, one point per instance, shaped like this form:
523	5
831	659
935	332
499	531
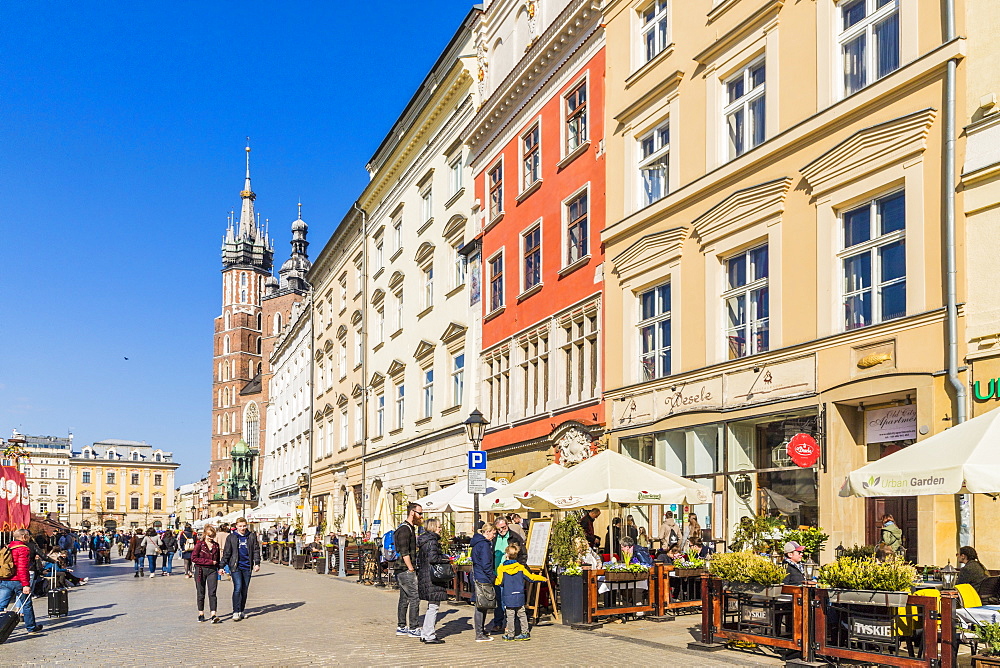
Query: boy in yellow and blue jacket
513	578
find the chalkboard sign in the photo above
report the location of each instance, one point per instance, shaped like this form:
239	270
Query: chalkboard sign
538	542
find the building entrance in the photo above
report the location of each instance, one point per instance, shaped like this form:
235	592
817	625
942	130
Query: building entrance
903	510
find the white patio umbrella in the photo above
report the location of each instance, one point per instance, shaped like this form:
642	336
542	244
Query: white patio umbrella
610	478
963	459
508	498
272	511
383	513
352	523
455	498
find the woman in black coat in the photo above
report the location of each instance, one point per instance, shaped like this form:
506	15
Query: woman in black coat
429	552
483	573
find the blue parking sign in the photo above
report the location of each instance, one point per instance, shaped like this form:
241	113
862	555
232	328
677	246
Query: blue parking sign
477	460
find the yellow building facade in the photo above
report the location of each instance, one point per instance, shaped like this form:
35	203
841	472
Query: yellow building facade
776	247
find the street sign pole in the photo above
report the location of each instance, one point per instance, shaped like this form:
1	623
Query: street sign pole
476	479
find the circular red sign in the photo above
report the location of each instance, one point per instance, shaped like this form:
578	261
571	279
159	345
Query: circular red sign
804	450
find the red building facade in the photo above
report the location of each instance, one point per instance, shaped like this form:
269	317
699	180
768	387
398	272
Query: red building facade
539	177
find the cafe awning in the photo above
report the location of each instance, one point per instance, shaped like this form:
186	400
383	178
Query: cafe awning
508	498
962	459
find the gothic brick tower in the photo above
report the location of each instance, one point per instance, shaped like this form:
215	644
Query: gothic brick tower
238	412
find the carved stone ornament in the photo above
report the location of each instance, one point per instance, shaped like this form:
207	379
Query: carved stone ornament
573	447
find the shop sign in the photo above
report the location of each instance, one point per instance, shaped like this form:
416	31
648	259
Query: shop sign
646	496
778	381
897	423
804	450
753	614
992	390
871	628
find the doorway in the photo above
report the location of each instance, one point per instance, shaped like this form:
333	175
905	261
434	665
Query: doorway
904	510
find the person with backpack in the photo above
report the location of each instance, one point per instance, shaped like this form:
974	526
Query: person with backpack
169	548
670	531
15	578
241	556
512	578
408	607
137	552
186	542
206	559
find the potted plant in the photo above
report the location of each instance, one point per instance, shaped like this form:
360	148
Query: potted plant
692	566
566	547
746	572
811	538
868	581
625	572
759	534
988	640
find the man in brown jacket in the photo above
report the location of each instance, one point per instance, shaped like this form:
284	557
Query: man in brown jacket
136	552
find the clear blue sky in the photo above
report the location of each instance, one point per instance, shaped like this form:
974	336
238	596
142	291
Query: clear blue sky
122	127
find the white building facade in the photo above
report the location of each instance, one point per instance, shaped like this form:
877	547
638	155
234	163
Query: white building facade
47	472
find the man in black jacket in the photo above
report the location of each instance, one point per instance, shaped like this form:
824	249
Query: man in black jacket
795	574
242	556
405	538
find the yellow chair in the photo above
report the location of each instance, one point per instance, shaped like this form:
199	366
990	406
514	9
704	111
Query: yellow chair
908	623
968	596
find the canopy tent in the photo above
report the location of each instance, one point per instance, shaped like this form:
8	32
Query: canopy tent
508	498
198	525
609	477
352	523
962	459
384	520
455	498
276	510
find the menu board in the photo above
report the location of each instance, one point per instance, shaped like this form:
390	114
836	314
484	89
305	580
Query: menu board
538	542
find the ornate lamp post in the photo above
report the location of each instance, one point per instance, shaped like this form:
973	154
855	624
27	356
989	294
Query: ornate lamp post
839	551
949	574
475	427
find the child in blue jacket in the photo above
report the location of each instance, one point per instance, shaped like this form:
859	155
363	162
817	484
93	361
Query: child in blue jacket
513	578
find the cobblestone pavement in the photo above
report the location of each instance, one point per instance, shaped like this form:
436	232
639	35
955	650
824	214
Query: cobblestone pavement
299	618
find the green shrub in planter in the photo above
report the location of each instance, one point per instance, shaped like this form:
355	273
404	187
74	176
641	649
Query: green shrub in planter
746	567
988	634
860	552
811	538
848	573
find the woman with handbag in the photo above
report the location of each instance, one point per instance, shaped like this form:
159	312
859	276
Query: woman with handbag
153	546
483	576
432	578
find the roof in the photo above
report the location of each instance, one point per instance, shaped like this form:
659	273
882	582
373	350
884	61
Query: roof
253	387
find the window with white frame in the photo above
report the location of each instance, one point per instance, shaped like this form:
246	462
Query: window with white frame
428	288
359	414
531	157
457	379
379	253
397	234
380	324
868	40
654	155
497	368
495	180
400	405
654	332
534	374
342	359
380	414
746	302
579	357
576	117
459	264
321	439
653	29
358	348
428	392
427	204
43	507
496	282
531	250
874	261
345	429
398	323
455	174
343	293
744	109
577	227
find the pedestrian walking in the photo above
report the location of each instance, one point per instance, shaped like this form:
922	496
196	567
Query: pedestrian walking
152	546
186	543
206	559
429	553
513	577
483	576
242	557
405	538
18	584
169	541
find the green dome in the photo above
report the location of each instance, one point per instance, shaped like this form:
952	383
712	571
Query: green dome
241	449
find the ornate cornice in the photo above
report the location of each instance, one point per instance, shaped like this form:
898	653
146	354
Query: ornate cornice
742	209
652	250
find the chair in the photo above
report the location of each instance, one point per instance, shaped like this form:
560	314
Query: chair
989	590
968	596
909	624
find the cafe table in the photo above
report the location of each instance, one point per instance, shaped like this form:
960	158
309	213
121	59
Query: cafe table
928	584
984	613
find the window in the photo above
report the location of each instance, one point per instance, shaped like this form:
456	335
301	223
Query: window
459	263
84	503
380	414
43	472
43	507
43	490
111	477
577	243
135	455
399	309
427	204
455	169
653	29
496	282
498	385
157	503
746	303
359	415
531	243
531	157
579	357
343	294
429	286
654	155
358	348
874	260
109	503
342	359
397	234
158	479
61	473
135	478
400	405
744	110
60	508
534	374
86	477
380	324
379	254
345	429
496	190
457	379
428	392
61	490
654	332
576	117
133	503
869	41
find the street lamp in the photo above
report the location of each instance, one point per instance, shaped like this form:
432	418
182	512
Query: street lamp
949	574
475	427
839	551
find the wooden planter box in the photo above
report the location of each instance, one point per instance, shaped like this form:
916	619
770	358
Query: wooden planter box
624	576
688	572
889	599
980	661
770	591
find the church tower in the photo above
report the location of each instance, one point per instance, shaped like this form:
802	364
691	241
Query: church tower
237	414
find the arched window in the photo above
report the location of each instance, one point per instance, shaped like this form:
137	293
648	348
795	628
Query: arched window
228	321
243	296
258	345
110	453
251	426
88	453
225	345
157	457
277	324
243	279
218	424
250	368
225	424
134	456
258	367
259	321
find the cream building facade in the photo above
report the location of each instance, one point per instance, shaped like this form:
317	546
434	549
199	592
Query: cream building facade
421	362
775	240
47	472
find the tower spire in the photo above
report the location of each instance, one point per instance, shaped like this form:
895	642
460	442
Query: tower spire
248	228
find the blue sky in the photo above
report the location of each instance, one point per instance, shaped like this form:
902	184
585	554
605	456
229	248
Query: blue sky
122	127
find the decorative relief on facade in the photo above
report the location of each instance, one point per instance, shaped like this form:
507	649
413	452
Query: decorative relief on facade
871	358
742	209
649	252
573	447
